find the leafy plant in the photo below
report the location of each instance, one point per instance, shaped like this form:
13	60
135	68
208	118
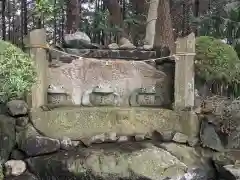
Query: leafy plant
216	60
17	73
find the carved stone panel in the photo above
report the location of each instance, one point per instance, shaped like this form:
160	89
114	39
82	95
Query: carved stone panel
146	99
57	98
125	77
99	99
56	94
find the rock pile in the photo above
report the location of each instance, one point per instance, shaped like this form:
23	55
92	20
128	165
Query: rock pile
27	154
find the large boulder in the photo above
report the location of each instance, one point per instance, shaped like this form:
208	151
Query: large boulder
38	145
24	176
210	137
228	172
7	137
33	144
122	161
78	40
14	167
198	164
17	108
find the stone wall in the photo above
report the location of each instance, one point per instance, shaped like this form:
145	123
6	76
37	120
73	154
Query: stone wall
173	145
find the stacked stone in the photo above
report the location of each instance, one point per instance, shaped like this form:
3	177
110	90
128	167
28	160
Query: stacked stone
27	154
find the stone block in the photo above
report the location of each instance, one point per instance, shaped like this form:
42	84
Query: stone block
79	123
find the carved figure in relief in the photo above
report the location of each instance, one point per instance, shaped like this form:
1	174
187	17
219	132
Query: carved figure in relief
100	96
57	94
144	97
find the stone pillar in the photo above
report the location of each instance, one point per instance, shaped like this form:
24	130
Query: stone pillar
37	38
184	73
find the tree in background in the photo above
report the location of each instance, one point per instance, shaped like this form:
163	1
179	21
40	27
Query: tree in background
164	29
73	15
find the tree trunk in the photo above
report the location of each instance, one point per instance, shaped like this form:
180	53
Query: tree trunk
3	19
196	14
164	30
73	15
151	22
187	13
116	17
138	31
55	23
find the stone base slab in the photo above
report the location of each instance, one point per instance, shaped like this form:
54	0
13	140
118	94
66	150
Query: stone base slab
79	123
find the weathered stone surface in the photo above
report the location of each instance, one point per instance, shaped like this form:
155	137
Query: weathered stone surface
17	107
147	47
191	157
113	46
124	139
24	176
1	173
78	52
22	121
3	109
109	54
14	167
193	141
17	155
192	125
233	141
66	143
24	133
110	137
228	172
210	138
101	99
78	123
123	76
101	138
234	170
122	54
167	136
124	43
78	40
139	137
38	145
127	46
7	137
125	161
180	138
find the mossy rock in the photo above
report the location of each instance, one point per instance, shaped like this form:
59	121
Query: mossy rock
216	60
17	72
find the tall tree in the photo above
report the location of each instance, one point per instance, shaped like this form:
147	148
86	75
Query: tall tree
73	15
151	22
187	10
164	29
3	19
116	17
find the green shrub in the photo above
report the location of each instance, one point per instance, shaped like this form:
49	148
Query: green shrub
216	60
17	73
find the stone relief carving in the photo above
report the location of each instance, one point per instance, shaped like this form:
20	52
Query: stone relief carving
100	96
113	84
57	94
145	97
